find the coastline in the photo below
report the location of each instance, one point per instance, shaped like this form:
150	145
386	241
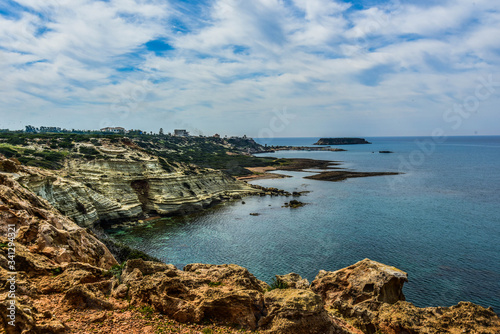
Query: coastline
326	171
80	285
261	173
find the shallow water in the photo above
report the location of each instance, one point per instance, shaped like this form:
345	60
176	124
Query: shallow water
440	221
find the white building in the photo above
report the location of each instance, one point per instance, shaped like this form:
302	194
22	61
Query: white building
113	129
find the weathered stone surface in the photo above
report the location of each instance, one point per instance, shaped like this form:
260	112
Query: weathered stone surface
145	267
404	317
363	281
86	296
73	274
227	274
121	291
295	311
43	230
226	294
293	281
107	190
25	320
358	291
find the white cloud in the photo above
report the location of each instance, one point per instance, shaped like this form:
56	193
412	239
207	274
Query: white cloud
241	59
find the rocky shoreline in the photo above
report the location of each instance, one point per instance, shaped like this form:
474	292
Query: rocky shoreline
343	175
68	281
329	171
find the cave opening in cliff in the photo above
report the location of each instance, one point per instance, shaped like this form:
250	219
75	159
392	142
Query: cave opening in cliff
141	188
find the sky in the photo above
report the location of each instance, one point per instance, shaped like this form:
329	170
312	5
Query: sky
264	68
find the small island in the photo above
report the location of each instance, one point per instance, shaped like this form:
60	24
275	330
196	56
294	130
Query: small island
341	141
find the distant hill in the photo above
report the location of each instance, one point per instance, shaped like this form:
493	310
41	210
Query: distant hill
341	141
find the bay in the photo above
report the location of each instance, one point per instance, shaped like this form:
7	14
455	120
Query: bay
439	221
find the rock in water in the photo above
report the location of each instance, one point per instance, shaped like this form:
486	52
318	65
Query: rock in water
341	141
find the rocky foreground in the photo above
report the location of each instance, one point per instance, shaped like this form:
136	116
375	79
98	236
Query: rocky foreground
67	281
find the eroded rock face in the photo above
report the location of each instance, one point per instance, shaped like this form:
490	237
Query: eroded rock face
110	190
220	293
404	317
42	230
358	291
295	311
28	320
365	280
293	281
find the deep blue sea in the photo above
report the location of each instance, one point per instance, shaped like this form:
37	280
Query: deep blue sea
439	222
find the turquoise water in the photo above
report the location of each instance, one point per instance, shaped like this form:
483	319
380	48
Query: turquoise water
440	221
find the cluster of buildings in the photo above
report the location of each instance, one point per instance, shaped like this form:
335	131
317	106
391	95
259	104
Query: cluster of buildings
177	132
106	130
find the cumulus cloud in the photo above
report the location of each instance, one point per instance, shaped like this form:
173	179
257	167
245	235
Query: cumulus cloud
225	65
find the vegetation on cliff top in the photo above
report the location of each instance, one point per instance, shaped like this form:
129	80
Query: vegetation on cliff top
49	150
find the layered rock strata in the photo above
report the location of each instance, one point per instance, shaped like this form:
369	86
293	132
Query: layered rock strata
108	190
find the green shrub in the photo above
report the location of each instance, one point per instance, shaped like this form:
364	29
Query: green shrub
214	284
56	271
88	150
276	284
147	311
116	271
17	140
7	151
165	165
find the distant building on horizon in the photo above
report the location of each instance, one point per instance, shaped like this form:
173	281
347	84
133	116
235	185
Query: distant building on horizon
216	135
116	129
181	133
44	129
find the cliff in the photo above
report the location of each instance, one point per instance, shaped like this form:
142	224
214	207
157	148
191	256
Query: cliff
68	282
341	141
131	186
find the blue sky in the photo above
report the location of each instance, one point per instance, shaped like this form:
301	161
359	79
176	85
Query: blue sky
262	67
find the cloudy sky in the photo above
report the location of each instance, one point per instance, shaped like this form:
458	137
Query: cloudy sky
280	68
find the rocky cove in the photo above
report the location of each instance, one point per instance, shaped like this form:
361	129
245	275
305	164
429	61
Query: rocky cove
69	282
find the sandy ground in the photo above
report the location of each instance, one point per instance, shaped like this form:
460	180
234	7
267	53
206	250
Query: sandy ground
261	173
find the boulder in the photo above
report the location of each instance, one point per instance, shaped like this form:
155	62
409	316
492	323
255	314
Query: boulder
228	274
295	311
403	317
86	296
358	291
26	320
225	294
146	267
293	281
71	275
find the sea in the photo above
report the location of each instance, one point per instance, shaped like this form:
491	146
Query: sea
439	221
